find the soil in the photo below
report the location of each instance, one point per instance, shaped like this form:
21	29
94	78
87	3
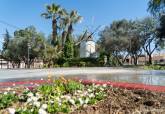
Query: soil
123	101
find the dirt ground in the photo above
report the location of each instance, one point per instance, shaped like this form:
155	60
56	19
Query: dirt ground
123	101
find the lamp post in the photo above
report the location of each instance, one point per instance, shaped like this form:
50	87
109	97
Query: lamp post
28	52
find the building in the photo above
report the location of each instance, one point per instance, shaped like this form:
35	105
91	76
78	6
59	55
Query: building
142	60
88	48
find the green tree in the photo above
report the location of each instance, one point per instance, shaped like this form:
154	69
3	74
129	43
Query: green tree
161	32
114	40
69	47
6	40
51	55
70	19
5	44
149	40
18	46
135	45
12	53
156	7
54	13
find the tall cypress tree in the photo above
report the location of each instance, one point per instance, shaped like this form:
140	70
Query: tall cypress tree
6	40
69	47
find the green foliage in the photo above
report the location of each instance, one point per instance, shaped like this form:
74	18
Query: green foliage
7	100
72	86
156	7
125	38
6	40
68	48
46	89
66	64
18	46
161	32
82	62
154	67
51	55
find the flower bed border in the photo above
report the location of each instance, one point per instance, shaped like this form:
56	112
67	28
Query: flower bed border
32	83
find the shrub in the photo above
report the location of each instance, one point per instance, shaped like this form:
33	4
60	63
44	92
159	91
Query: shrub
66	64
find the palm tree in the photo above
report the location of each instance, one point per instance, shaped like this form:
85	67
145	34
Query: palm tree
156	6
72	18
67	23
63	26
54	13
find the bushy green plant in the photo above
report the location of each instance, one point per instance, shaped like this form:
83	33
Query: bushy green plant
68	47
66	64
82	64
7	100
154	67
72	86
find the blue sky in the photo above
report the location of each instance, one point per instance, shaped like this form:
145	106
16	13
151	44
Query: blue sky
23	13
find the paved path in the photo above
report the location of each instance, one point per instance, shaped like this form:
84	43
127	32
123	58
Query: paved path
27	73
131	75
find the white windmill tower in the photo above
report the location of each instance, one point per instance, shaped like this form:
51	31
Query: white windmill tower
88	45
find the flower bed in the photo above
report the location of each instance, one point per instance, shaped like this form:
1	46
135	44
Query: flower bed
85	97
60	96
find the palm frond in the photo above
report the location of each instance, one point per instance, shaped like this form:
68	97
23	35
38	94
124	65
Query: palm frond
46	15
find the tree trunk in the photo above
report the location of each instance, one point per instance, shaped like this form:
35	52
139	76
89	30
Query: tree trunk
64	34
54	32
70	29
135	60
150	59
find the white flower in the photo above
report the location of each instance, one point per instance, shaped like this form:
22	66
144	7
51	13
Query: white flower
36	84
61	96
51	101
104	85
32	110
96	86
5	93
30	94
86	101
27	89
57	98
89	90
67	97
11	110
72	101
37	104
29	100
38	95
14	92
85	93
44	106
79	91
59	103
42	111
91	95
42	79
34	98
102	89
81	101
8	89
